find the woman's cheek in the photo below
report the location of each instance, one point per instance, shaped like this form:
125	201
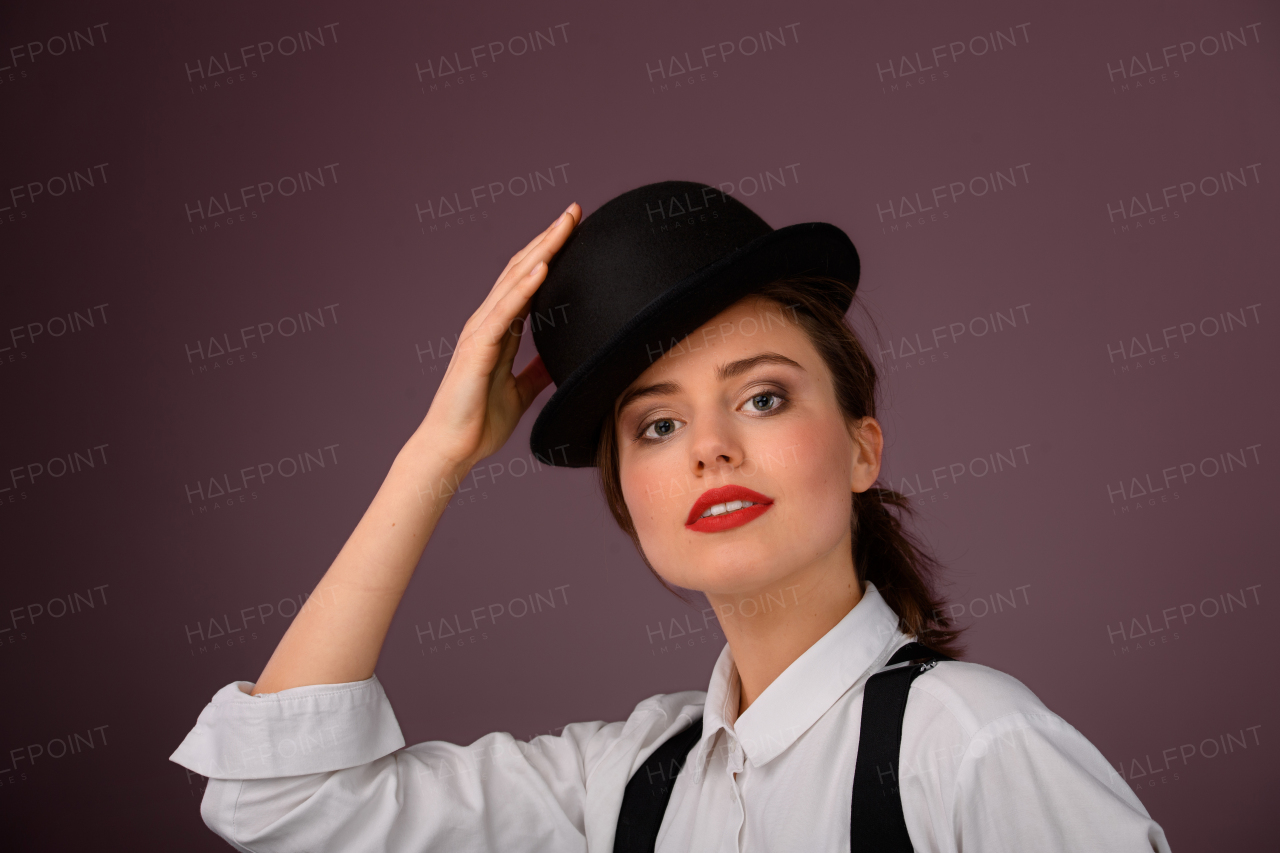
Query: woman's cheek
648	498
816	478
656	514
809	455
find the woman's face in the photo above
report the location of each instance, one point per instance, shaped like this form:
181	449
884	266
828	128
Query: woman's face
745	406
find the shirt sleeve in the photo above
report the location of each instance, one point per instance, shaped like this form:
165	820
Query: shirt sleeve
1033	782
324	767
990	768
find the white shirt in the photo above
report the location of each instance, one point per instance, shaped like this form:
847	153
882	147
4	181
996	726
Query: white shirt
985	766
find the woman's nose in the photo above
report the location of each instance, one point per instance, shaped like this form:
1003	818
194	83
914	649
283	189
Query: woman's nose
715	445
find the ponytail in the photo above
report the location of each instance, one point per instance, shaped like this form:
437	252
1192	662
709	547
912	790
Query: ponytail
890	557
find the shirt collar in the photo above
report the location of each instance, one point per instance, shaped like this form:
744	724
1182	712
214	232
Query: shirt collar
857	645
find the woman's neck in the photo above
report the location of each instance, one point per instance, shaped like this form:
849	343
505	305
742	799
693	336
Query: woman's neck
768	628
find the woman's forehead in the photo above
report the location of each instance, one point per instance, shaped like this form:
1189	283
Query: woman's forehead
749	327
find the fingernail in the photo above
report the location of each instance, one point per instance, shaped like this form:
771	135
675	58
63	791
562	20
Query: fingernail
570	207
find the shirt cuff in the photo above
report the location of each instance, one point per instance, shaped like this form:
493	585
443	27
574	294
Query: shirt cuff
312	729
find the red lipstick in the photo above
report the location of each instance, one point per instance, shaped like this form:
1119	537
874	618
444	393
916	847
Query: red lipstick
728	520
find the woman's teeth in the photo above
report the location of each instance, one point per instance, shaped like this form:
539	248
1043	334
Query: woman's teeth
721	509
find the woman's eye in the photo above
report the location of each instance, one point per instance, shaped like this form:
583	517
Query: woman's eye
661	428
764	402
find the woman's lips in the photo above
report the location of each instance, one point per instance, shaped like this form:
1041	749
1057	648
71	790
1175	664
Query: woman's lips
728	520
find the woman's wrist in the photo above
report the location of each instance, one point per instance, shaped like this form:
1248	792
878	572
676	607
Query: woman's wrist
425	458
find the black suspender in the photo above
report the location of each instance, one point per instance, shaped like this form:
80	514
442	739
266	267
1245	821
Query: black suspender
645	800
876	821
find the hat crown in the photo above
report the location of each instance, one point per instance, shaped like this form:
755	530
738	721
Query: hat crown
626	254
641	274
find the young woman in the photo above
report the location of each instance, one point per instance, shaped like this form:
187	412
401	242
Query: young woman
705	366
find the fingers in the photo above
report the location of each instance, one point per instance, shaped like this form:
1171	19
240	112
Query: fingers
516	301
481	343
518	256
573	211
521	273
531	381
516	259
488	346
509	345
501	319
541	248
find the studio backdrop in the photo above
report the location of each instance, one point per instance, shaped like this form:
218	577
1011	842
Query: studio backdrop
238	242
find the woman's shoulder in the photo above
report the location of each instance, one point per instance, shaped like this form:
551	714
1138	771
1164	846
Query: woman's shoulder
615	753
662	715
975	696
979	745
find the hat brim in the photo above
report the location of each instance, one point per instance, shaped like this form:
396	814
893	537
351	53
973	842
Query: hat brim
567	430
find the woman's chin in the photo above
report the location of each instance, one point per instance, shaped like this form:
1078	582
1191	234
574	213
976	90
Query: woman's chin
730	572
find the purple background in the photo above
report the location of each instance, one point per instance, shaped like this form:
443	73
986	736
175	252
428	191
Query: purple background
1093	565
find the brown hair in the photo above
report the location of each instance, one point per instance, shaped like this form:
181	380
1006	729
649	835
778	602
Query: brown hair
884	551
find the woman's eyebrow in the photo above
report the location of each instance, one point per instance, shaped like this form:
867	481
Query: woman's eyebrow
741	366
723	372
658	390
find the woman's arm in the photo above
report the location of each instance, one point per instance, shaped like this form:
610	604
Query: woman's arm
324	768
337	636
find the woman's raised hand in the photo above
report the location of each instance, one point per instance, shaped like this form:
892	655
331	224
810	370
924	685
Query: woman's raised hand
480	400
337	637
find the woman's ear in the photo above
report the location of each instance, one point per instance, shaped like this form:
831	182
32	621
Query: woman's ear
868	440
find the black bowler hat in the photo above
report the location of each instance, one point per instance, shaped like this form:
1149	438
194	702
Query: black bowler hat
639	275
